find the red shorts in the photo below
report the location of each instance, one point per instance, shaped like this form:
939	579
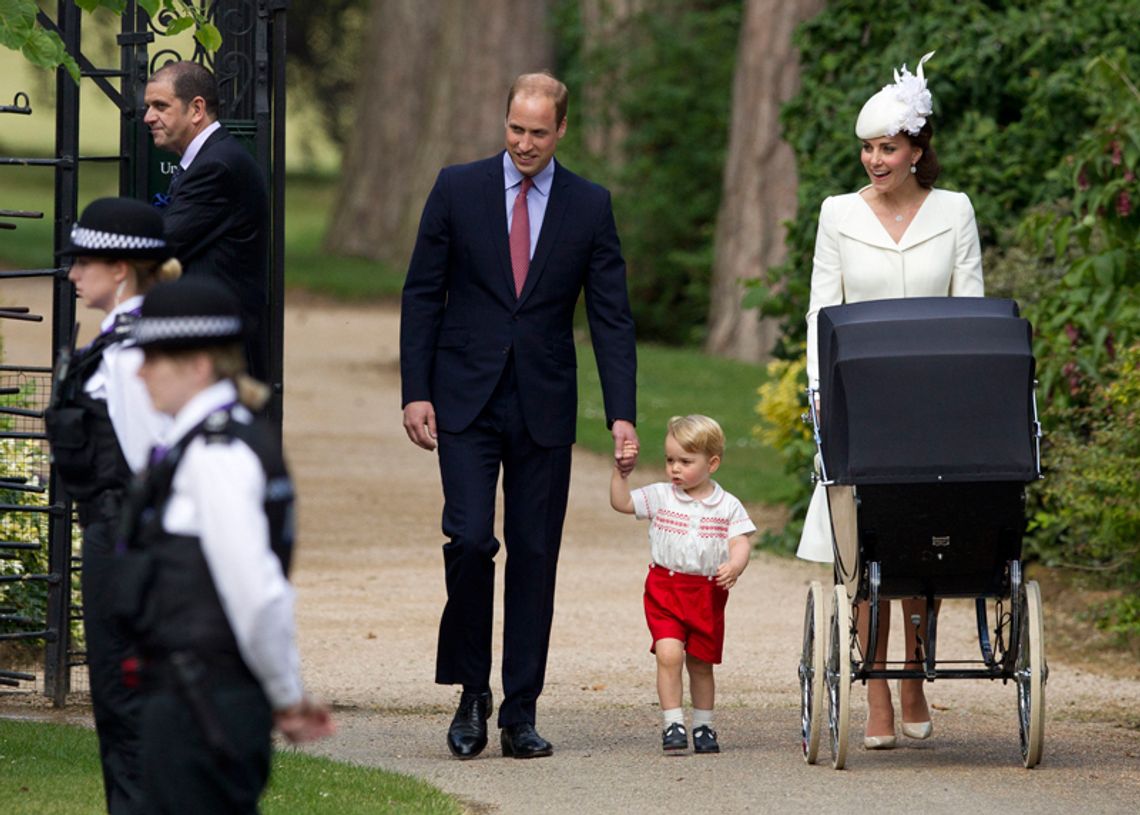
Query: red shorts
686	607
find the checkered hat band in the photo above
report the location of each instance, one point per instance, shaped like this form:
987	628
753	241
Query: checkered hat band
85	238
158	329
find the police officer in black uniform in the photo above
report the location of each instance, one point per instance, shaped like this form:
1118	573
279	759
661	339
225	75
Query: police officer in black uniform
208	533
101	426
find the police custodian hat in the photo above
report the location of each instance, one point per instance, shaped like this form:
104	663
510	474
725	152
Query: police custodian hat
188	314
118	228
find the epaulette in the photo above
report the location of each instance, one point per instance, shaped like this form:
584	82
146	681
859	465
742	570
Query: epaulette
215	428
123	325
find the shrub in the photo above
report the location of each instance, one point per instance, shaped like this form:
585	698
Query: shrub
783	402
1010	96
1089	515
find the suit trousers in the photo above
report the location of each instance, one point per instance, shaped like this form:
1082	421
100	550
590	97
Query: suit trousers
536	484
116	707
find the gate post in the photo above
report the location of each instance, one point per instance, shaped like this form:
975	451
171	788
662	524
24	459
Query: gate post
57	672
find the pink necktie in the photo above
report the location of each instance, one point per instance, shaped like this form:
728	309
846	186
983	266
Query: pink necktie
520	236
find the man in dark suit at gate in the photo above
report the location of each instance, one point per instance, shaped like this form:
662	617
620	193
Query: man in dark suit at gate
506	247
216	215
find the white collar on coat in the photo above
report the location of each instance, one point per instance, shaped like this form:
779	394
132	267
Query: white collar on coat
860	223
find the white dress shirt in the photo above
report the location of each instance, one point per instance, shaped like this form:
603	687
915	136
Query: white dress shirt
218	495
690	535
195	145
535	204
138	426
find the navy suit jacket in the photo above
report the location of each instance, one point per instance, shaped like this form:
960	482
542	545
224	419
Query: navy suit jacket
461	320
217	222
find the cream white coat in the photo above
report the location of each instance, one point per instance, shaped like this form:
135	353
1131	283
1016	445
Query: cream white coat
856	259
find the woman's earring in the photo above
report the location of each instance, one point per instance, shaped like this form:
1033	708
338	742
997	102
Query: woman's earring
913	169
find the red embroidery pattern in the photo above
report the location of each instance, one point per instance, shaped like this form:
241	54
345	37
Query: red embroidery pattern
716	528
676	523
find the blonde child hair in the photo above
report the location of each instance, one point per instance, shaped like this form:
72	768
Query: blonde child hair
698	434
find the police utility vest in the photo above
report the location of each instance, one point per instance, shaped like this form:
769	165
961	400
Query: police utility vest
84	448
169	600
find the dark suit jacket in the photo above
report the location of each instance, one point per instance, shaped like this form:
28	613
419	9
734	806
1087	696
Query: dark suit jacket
218	225
461	319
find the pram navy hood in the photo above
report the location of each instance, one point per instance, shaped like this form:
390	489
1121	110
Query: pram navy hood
926	390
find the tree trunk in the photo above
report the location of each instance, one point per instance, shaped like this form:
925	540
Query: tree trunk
433	92
759	177
604	26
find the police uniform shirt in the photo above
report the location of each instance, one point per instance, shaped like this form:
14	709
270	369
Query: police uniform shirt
257	599
138	426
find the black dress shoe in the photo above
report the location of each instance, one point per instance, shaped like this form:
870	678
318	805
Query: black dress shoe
467	735
523	741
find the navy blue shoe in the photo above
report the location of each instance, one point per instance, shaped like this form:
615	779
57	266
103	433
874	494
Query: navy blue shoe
704	740
674	738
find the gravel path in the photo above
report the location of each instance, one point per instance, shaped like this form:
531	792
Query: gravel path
370	584
370	588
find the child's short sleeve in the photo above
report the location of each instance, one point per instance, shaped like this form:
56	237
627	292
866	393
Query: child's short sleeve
647	500
739	523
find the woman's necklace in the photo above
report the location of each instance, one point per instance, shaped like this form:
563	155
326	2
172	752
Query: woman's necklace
907	210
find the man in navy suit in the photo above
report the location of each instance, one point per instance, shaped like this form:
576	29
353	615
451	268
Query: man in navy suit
506	247
216	215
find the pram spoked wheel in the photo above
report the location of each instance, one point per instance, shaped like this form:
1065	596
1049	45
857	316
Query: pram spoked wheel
812	671
1030	674
838	677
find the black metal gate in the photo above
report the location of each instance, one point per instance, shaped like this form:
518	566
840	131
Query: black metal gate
35	512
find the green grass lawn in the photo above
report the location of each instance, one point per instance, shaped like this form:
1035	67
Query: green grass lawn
308	207
52	769
678	381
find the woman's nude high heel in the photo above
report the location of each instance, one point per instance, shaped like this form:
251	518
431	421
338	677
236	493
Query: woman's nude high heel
915	730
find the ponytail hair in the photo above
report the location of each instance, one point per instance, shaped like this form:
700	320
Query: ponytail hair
148	273
229	363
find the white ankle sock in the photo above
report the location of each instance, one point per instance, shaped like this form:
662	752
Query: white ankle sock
673	715
702	718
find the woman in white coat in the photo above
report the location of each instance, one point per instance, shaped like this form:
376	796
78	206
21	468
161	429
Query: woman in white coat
896	237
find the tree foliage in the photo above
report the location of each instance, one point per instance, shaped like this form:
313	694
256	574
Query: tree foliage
1010	100
667	72
1011	103
323	47
21	31
1087	251
1086	255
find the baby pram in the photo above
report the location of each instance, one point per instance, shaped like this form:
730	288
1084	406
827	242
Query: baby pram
927	434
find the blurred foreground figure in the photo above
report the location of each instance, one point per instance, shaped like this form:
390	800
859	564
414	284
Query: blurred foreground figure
208	534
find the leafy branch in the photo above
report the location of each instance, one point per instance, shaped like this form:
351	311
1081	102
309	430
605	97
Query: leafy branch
21	31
